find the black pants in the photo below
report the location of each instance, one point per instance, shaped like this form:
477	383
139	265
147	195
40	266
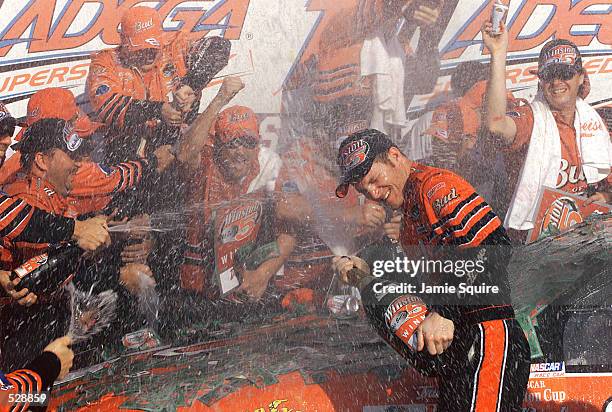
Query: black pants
486	368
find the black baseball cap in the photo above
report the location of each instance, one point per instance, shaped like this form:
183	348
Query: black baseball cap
356	156
47	134
559	53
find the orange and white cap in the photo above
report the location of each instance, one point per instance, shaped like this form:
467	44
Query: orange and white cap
142	29
58	103
236	122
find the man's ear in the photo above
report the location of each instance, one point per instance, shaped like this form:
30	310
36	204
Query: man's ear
394	155
41	162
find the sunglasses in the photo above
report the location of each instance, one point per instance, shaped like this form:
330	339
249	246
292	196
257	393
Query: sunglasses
144	57
558	72
245	141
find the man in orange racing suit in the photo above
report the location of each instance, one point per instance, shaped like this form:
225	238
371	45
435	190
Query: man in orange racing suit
49	155
149	86
482	354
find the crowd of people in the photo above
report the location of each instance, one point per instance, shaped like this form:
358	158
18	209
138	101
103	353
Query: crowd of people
158	190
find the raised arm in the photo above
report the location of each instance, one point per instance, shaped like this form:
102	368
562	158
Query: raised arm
496	120
196	136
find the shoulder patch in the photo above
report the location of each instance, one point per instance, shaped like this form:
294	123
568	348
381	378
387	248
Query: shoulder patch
102	89
434	189
169	70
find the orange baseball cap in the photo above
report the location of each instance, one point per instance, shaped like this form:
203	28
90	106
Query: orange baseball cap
59	103
235	122
142	29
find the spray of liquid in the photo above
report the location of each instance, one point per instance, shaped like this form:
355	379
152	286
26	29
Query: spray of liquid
90	313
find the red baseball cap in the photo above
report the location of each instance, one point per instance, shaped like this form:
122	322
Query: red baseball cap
58	103
142	29
235	122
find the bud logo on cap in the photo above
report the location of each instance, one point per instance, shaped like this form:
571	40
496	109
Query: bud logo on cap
72	139
143	25
354	154
238	117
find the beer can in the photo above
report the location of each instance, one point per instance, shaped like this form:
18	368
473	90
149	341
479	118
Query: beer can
140	339
498	15
343	306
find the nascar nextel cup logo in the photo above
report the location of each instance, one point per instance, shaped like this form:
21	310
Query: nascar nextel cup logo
35	25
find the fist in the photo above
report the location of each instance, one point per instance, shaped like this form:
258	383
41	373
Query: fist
230	87
92	233
61	348
184	98
23	296
435	333
164	156
393	227
372	215
136	277
427	16
343	265
171	116
496	43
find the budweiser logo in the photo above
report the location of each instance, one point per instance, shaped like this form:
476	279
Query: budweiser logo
439	204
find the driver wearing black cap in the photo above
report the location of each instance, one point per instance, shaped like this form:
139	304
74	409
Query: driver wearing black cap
482	355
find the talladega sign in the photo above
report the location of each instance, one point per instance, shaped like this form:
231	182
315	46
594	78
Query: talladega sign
47	43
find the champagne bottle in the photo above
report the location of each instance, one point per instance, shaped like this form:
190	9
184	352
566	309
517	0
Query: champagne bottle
46	273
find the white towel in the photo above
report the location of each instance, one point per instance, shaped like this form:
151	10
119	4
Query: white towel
384	60
541	167
269	167
418	144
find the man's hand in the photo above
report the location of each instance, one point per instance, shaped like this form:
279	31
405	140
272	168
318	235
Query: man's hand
372	215
92	233
137	252
392	228
343	264
496	43
601	197
254	283
435	333
427	16
23	297
61	348
171	116
184	98
164	157
135	277
229	88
